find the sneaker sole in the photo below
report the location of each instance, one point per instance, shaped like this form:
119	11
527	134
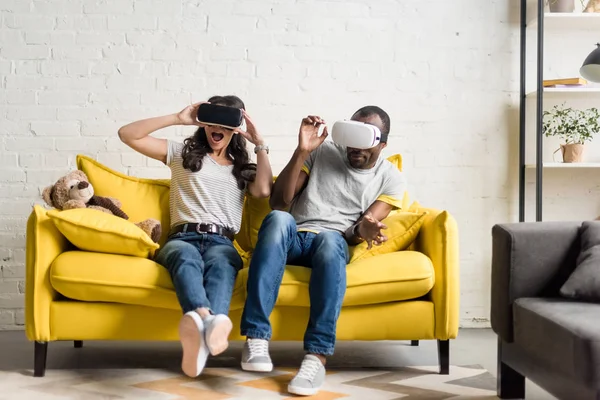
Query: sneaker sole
303	391
217	342
194	353
257	367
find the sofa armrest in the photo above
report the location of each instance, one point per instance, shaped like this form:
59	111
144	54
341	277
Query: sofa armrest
438	239
44	244
529	259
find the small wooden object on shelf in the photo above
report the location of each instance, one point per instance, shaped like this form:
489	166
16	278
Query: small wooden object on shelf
565	82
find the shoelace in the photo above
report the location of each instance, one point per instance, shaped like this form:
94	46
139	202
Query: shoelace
258	347
309	369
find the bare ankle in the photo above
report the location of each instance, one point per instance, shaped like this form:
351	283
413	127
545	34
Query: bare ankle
203	312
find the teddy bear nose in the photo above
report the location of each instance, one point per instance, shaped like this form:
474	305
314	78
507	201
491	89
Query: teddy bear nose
83	185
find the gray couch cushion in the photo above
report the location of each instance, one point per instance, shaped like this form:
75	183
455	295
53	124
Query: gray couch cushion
584	282
562	334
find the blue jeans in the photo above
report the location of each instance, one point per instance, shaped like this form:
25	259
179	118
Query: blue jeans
203	268
326	253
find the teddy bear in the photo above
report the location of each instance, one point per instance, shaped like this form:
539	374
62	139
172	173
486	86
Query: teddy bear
74	190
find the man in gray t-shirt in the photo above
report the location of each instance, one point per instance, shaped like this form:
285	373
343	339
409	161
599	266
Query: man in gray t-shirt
336	197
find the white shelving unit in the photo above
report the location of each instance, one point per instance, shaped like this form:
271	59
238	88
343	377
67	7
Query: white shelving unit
564	92
565	165
569	21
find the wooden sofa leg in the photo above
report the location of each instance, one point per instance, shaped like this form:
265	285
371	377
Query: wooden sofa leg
40	351
444	356
510	384
78	344
414	342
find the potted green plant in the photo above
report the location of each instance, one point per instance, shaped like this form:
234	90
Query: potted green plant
574	127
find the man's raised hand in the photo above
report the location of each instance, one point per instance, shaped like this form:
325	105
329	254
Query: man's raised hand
308	138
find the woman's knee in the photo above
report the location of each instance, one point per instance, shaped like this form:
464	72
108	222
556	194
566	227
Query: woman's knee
176	252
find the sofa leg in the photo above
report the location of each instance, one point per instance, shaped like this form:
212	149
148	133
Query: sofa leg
414	342
444	356
40	351
78	344
510	384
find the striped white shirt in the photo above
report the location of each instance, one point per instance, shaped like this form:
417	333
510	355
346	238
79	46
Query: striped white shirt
210	195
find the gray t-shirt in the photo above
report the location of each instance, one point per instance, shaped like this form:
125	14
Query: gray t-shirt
210	195
337	194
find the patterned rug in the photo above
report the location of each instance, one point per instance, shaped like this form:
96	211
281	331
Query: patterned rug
410	383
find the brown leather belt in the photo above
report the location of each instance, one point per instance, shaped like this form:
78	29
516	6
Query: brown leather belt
203	228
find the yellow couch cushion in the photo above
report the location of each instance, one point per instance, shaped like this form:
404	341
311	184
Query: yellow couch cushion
94	230
141	198
389	277
402	229
86	276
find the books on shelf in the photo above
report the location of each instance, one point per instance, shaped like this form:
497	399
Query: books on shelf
565	82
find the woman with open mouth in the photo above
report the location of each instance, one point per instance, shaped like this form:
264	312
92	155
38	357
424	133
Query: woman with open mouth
211	174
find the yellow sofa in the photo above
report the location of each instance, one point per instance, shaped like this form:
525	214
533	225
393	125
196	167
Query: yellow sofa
82	295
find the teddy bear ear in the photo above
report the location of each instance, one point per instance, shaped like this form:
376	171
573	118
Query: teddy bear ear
47	195
81	175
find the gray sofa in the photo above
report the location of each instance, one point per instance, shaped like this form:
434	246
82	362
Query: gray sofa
552	340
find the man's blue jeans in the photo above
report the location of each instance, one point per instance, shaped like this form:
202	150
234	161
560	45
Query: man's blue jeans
326	253
203	268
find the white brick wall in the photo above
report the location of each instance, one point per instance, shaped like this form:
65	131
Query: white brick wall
73	71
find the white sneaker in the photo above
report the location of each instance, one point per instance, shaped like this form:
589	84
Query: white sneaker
195	351
255	356
309	378
216	333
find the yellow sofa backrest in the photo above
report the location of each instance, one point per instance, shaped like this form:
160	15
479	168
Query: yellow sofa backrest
143	198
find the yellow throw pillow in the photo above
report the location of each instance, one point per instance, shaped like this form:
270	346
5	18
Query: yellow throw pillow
94	230
402	229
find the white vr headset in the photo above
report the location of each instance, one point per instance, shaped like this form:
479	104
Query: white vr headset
356	134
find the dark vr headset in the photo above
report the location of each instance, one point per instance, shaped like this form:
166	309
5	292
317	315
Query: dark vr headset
224	116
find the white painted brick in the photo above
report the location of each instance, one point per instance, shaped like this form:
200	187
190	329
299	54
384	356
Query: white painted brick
295	9
14	208
20	97
104	67
118	7
366	25
44	177
187	68
257	39
85	145
5	67
100	129
143	68
240	70
43	128
33	113
176	54
28	21
118	52
293	39
277	23
129	83
31	160
20	317
271	55
152	173
7	317
115	144
114	99
57	7
34	143
81	114
133	160
196	8
8	287
253	8
51	38
179	83
195	24
99	38
15	6
28	52
14	129
318	25
83	83
76	53
216	69
81	22
223	23
127	23
59	160
62	98
29	67
178	99
112	161
8	160
13	36
12	300
227	54
157	7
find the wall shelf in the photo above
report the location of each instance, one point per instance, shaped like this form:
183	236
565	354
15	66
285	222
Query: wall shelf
562	92
565	165
569	21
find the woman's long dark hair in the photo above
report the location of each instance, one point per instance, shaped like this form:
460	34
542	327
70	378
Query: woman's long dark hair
196	147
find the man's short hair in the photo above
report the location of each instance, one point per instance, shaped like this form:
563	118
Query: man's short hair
367	111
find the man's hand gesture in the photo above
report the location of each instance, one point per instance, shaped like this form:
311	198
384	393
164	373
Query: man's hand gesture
308	138
369	229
